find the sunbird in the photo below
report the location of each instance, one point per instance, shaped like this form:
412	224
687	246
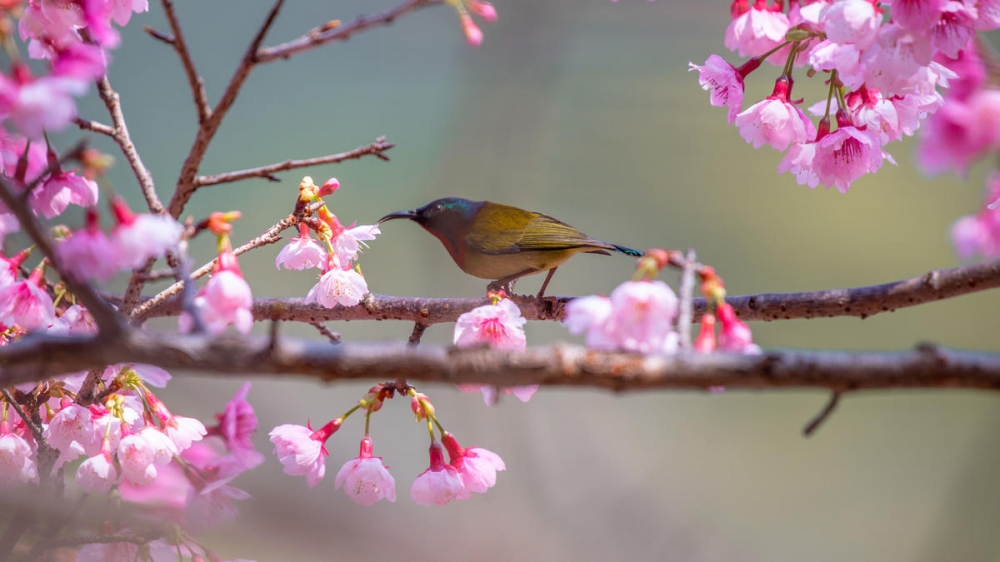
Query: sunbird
493	241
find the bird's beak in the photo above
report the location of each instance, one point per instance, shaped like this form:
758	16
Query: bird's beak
398	215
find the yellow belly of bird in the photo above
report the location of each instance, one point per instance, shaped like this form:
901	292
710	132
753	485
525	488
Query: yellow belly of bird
499	266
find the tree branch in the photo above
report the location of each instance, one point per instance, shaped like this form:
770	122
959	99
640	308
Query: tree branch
322	35
194	80
186	185
38	356
375	149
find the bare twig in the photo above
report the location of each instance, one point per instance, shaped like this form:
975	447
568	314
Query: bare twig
186	185
823	414
686	309
334	337
39	356
124	141
159	35
418	332
375	149
194	80
94	126
322	36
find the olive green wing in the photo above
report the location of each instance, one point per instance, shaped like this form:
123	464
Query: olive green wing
515	231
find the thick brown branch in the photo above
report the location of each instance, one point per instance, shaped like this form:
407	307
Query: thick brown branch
40	356
186	185
375	149
323	35
194	80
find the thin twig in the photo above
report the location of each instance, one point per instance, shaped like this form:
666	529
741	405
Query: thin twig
686	309
194	79
159	35
418	332
334	337
823	414
121	135
375	149
186	185
36	430
94	126
324	35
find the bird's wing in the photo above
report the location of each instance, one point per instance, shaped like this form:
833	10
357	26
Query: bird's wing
541	232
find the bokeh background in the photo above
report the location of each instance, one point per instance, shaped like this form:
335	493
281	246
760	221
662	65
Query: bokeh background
583	109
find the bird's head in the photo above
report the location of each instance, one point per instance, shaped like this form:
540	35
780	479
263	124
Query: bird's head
442	215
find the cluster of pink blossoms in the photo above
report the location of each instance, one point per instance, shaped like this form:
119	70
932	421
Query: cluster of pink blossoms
980	233
72	36
365	479
341	282
465	9
883	74
499	326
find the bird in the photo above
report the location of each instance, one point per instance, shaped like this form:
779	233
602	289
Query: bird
494	241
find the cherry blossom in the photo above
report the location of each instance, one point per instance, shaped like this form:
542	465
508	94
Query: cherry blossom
17	457
725	82
440	483
345	287
89	253
139	238
980	233
224	300
756	29
97	474
237	424
500	326
365	479
25	304
477	467
301	252
775	121
302	451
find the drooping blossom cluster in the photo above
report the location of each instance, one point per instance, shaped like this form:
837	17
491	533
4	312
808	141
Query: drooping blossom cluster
499	326
341	281
884	64
640	315
366	479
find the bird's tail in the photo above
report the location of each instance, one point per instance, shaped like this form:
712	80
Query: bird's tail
627	251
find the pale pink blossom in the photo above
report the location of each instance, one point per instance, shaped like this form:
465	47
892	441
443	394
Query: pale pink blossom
17	457
642	315
302	451
73	423
56	192
97	474
162	446
845	59
725	82
345	287
139	238
870	111
78	60
757	30
988	14
347	244
852	21
151	374
183	431
10	267
845	155
88	253
775	121
209	497
301	252
980	233
913	108
954	28
365	479
36	105
477	467
892	63
590	315
969	69
25	304
237	424
439	484
917	15
136	456
961	132
499	325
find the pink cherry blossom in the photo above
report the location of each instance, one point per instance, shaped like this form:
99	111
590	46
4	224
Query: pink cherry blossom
136	456
139	238
757	30
72	424
724	81
237	424
347	244
439	484
10	267
872	112
26	305
852	21
961	132
301	252
845	59
955	27
163	448
734	334
591	315
969	69
775	121
845	155
60	189
365	479
980	233
345	287
302	451
893	62
500	326
477	467
642	315
917	15
88	253
97	474
36	105
17	457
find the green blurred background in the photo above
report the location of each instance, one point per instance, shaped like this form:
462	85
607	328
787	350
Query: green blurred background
583	109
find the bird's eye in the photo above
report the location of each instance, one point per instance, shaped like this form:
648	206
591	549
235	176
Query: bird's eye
439	207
